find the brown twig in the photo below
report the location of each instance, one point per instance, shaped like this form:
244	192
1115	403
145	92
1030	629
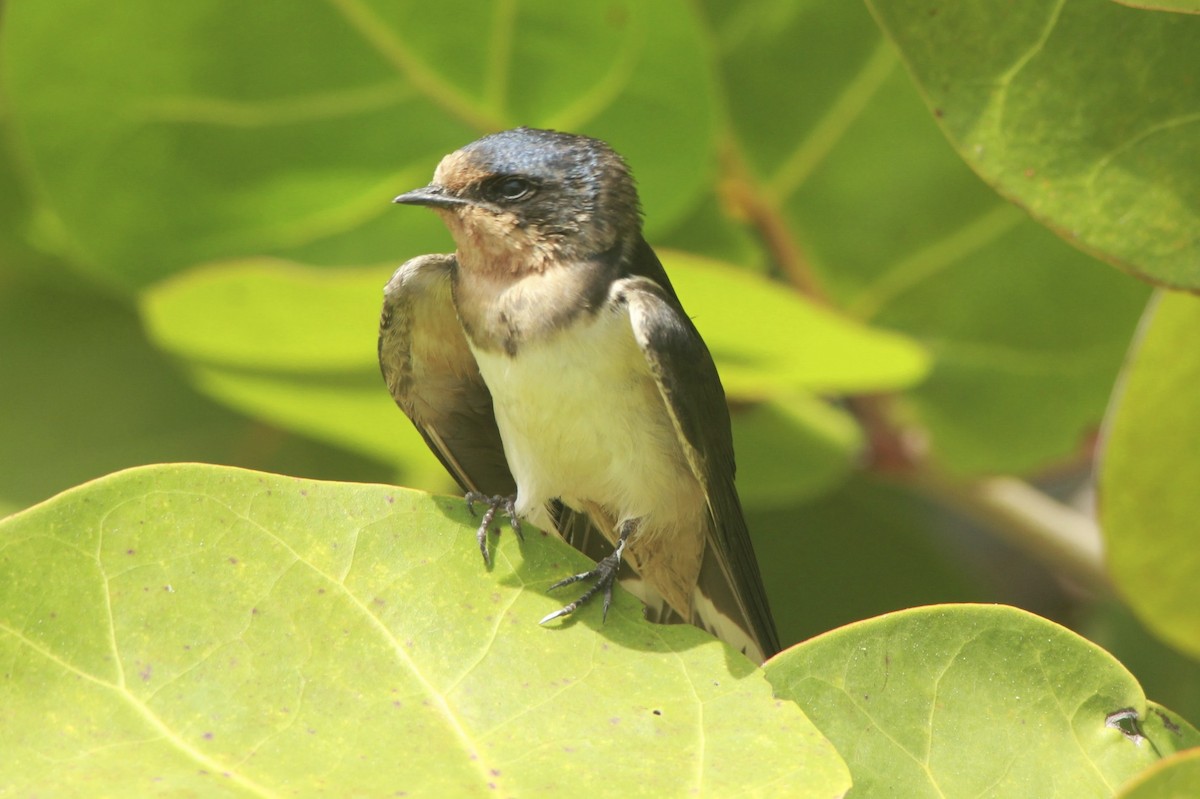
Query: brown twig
744	198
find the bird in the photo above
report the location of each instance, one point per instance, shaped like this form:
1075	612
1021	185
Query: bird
550	366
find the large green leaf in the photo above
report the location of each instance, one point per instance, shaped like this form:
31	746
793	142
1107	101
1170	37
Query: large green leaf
1149	473
276	148
269	315
1022	379
976	700
296	346
187	628
1026	333
277	316
1078	111
166	135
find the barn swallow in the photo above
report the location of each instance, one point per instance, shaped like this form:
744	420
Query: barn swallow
550	366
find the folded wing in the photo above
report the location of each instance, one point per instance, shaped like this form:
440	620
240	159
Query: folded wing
730	588
432	375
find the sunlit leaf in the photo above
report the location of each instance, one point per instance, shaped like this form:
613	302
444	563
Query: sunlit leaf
200	629
977	700
1076	111
270	315
1026	333
1148	501
293	345
296	346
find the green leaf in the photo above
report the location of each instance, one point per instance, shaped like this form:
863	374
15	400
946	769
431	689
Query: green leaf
295	345
1076	112
1026	334
1149	472
269	315
1022	379
278	316
200	629
1176	777
975	700
164	136
351	411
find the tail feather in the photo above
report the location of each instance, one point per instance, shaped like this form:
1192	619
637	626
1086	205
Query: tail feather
716	608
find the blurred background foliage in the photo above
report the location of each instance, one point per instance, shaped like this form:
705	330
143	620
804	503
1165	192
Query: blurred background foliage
870	211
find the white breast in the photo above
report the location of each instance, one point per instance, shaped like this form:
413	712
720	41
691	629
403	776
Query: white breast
582	420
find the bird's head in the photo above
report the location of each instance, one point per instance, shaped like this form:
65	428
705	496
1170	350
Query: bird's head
524	199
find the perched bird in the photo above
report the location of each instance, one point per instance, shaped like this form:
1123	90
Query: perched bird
550	366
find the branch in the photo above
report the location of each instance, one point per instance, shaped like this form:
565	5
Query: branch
1067	540
746	199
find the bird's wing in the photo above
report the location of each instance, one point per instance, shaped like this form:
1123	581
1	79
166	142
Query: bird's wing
730	588
431	373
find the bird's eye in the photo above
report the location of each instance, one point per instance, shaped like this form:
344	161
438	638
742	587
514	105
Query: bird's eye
510	189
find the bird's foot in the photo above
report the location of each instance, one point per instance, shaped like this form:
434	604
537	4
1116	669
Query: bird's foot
603	577
494	504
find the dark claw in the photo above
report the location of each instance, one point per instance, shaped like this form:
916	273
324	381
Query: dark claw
604	575
494	503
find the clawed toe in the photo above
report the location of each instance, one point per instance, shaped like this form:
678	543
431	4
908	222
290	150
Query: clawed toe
494	504
603	578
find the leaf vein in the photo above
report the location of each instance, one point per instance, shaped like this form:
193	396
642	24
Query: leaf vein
828	130
151	718
427	81
438	699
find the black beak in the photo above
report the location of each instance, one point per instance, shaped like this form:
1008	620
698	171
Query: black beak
432	196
